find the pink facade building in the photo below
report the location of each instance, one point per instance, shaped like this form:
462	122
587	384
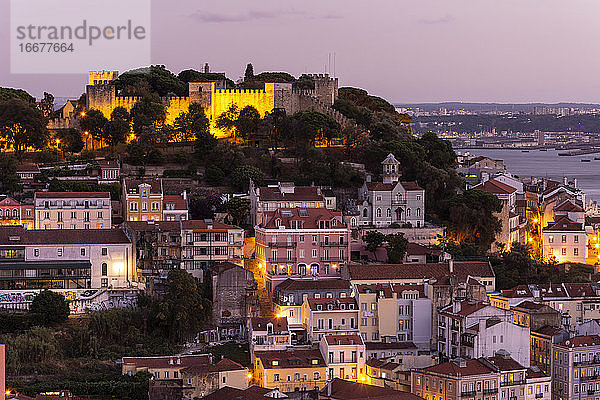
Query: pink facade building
303	244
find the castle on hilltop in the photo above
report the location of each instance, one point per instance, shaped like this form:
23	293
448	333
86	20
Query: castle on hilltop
101	94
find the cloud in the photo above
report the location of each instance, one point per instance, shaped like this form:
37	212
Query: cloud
444	19
255	15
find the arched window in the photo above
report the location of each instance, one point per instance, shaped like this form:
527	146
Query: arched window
353	221
418	212
104	269
378	212
314	269
408	212
301	269
277	222
15	213
388	213
365	213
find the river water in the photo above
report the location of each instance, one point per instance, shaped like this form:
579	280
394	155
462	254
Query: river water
549	164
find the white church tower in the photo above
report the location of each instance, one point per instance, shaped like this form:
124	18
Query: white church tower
391	169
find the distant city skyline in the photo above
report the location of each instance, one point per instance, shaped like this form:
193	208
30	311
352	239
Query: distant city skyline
406	51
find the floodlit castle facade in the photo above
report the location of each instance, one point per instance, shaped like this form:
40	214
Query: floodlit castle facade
101	94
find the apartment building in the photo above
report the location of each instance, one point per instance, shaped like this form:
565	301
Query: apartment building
542	341
329	316
392	201
13	212
303	244
575	366
456	319
576	302
290	370
345	356
66	259
289	296
394	313
110	171
73	210
565	241
459	379
286	195
193	376
389	374
268	333
538	384
142	200
206	242
175	207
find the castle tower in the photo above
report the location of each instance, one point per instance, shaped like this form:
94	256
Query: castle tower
101	91
326	88
391	169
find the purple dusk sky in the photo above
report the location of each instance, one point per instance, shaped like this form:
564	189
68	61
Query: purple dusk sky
403	50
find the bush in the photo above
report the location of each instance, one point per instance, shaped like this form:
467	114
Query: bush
176	173
51	306
156	157
214	176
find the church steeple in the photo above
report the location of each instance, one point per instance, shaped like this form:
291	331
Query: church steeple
391	169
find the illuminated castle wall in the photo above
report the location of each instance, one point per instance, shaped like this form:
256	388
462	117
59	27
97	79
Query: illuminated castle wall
101	95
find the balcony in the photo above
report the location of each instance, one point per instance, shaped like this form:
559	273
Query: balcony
589	377
593	361
399	202
470	393
490	391
281	260
282	244
513	383
333	259
539	395
334	244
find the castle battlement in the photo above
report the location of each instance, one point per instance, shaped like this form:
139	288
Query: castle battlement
101	77
233	91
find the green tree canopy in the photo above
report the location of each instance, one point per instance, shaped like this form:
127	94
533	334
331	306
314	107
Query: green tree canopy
9	179
471	218
374	240
249	74
10	93
117	128
22	126
94	123
240	177
248	122
148	112
183	310
239	210
51	305
154	79
396	248
70	140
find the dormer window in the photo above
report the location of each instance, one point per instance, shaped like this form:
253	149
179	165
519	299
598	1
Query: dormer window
275	362
269	328
342	306
351	306
330	306
319	307
277	222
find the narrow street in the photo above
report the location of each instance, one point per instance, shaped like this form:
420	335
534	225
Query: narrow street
265	303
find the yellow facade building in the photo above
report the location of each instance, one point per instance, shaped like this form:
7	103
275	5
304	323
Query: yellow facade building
290	370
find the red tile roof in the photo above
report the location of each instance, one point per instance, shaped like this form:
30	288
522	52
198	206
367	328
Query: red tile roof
280	325
72	195
467	307
178	200
140	226
343	340
488	324
472	367
549	330
321	284
185	361
346	390
225	364
390	346
335	302
300	193
292	358
229	393
410	186
419	271
495	187
132	184
564	224
535	372
504	363
581	289
200	224
17	236
310	220
581	341
379	187
569	206
416	249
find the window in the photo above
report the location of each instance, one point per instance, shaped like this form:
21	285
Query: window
576	239
575	251
99	214
59	252
550	239
276	377
563	239
104	251
314	253
379	213
104	269
83	252
563	251
36	252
